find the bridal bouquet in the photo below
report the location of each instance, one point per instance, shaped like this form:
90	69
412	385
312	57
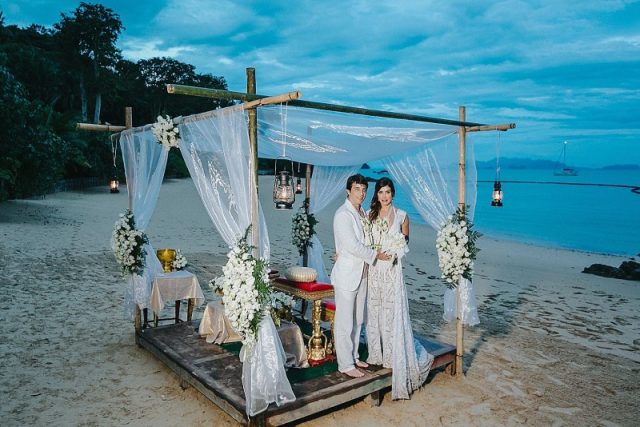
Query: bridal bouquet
180	262
166	132
302	228
456	244
127	244
247	291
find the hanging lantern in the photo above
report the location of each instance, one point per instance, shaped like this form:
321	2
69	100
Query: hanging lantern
283	191
114	184
496	198
299	186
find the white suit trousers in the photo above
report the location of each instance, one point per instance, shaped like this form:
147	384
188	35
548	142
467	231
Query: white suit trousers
348	322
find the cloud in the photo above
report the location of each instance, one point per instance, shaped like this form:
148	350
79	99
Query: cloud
136	49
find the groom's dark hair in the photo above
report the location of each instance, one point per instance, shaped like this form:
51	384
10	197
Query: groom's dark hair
357	179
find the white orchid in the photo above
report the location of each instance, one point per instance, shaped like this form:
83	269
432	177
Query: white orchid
166	132
456	248
302	228
246	291
127	244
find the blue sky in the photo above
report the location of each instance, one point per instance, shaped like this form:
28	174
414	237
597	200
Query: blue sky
561	70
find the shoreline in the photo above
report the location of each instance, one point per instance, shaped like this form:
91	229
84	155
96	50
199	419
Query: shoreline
554	345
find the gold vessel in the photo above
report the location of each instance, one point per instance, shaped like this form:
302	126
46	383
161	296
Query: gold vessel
166	257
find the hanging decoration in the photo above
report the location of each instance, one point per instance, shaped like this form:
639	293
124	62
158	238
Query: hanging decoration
284	194
128	243
114	183
456	244
496	195
299	182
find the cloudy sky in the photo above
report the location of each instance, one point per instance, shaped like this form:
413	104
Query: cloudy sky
562	70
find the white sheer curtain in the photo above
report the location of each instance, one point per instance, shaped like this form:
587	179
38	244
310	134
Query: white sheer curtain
144	164
430	177
327	184
215	148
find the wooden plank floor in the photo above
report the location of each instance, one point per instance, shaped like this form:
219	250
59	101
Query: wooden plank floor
217	374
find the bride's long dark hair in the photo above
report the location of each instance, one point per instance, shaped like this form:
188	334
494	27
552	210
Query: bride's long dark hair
375	203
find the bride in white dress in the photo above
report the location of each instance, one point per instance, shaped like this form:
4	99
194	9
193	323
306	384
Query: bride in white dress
389	335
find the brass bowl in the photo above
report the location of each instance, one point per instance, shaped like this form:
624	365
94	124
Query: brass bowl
166	257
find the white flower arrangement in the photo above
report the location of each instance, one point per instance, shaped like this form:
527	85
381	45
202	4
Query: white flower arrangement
127	244
246	291
456	244
302	228
180	262
166	132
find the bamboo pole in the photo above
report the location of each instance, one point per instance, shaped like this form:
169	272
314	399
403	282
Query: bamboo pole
224	94
100	128
277	99
503	127
253	162
462	207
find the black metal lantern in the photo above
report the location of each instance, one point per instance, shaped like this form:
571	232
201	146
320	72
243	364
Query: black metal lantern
114	184
299	186
284	193
496	197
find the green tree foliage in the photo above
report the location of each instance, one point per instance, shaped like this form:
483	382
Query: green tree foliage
51	78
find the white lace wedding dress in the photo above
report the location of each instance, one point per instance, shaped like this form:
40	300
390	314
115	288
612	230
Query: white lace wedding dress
389	334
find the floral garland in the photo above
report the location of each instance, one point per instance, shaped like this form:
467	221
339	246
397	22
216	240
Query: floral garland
456	244
166	132
281	304
246	291
180	262
127	244
302	228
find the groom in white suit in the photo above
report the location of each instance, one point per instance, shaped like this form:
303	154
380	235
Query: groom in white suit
349	277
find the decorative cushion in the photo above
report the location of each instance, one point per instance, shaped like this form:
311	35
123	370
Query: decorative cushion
307	286
329	304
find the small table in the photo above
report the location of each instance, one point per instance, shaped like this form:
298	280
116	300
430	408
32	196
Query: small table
175	286
216	328
316	351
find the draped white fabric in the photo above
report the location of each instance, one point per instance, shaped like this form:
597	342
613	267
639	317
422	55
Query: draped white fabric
216	151
261	381
144	164
326	183
429	176
326	138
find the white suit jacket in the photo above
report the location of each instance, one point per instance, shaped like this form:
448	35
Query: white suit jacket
350	248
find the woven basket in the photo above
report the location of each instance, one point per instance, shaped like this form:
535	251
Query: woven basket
301	274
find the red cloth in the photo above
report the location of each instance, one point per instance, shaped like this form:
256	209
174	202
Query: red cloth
306	286
329	304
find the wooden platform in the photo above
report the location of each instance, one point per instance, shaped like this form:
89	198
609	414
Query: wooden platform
217	374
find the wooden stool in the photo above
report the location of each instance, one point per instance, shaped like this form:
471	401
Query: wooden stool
328	315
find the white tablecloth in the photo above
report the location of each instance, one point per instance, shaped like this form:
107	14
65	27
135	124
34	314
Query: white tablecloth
174	286
216	328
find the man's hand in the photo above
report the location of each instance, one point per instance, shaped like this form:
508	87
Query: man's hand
383	256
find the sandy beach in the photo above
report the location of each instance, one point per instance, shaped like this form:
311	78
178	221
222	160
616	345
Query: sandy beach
555	346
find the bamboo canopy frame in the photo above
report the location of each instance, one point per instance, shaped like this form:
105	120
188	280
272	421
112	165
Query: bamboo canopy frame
463	125
252	101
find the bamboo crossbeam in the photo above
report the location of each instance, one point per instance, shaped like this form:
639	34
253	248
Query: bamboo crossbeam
100	128
503	127
225	94
278	99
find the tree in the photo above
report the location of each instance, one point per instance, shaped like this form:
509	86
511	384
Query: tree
89	40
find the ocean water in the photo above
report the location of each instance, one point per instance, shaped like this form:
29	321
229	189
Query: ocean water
549	212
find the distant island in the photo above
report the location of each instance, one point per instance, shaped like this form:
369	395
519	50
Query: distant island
525	163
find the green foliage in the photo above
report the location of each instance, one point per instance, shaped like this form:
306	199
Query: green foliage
53	78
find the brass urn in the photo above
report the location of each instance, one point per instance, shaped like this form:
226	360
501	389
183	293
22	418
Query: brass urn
166	257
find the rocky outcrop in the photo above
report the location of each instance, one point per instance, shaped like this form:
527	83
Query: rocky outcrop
628	270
